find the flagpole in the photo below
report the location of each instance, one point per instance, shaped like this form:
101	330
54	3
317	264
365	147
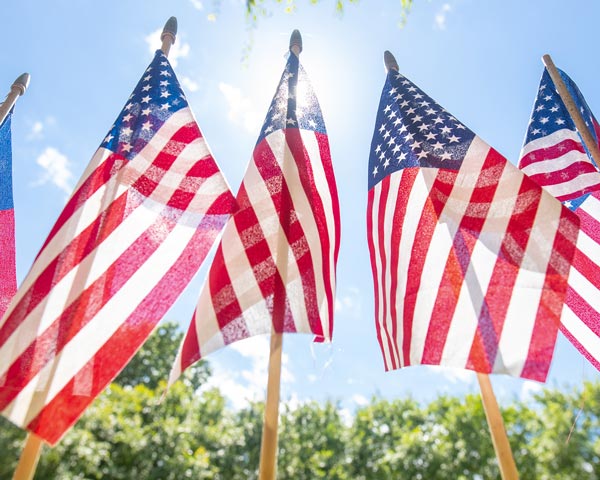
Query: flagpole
267	469
33	445
508	469
17	89
565	96
29	458
506	462
168	35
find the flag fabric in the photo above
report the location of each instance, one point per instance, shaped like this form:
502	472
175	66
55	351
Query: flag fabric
137	227
274	269
8	275
555	157
470	257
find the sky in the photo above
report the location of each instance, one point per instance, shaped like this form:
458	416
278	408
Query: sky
479	60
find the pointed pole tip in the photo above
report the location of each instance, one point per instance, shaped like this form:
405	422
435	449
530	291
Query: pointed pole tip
390	61
296	42
21	83
170	29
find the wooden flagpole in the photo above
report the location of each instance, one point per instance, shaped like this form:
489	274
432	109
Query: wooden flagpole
33	445
565	96
267	469
17	89
508	469
506	462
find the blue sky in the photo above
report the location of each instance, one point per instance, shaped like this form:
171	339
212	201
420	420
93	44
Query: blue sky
479	60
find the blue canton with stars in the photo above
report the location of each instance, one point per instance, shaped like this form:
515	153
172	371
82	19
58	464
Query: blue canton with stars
550	115
155	98
295	104
412	130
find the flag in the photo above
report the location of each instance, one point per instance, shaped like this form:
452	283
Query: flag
555	157
274	269
8	276
137	227
469	257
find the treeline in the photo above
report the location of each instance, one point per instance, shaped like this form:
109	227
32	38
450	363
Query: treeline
127	434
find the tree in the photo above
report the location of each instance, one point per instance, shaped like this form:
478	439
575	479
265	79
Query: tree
152	363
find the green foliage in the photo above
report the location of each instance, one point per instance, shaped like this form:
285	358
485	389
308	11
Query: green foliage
152	363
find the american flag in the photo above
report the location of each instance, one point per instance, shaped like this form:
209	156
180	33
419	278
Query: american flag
555	157
470	258
8	277
274	269
136	229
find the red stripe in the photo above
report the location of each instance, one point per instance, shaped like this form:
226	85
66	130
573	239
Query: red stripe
8	274
575	341
276	182
381	236
484	348
190	348
565	175
83	309
334	216
452	277
224	300
584	311
554	292
305	265
74	253
64	409
400	211
371	202
551	152
425	230
99	177
459	259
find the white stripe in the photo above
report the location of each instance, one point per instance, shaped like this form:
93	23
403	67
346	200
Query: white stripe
415	205
381	295
550	140
529	285
97	332
582	333
579	183
465	322
389	228
550	165
320	180
87	213
268	219
94	264
434	267
586	289
591	206
442	241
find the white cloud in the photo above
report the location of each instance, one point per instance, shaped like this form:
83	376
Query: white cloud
197	4
349	303
360	400
178	50
453	375
56	168
243	385
529	389
39	127
440	16
188	84
241	110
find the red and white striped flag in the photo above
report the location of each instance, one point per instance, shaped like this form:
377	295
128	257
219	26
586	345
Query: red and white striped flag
136	229
555	157
470	257
275	266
